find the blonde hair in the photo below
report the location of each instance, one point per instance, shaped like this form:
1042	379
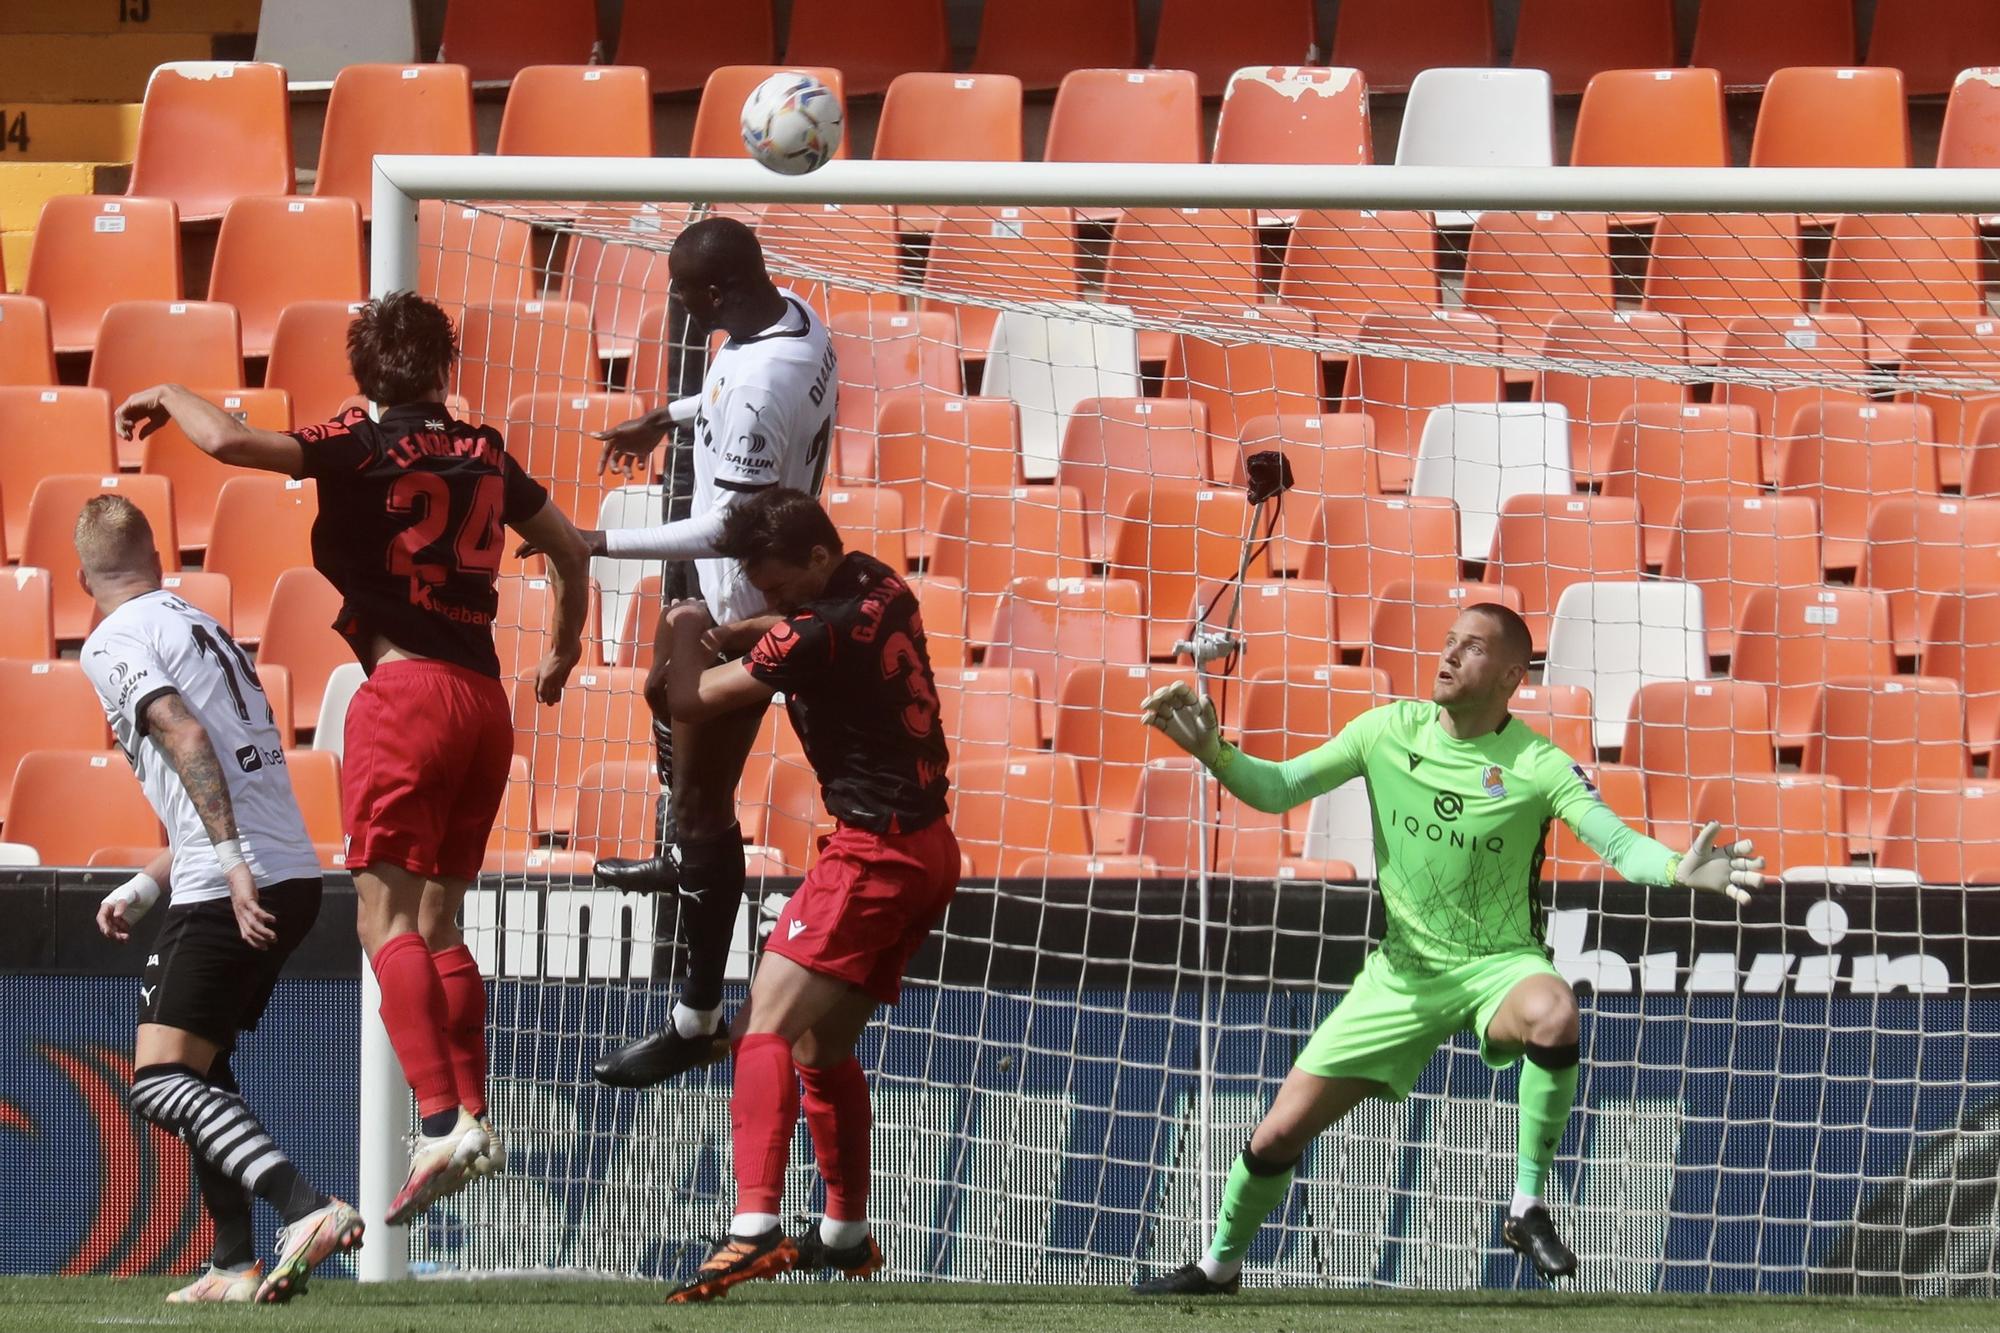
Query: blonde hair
113	537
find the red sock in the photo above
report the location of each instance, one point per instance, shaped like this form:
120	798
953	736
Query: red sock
413	1012
839	1116
762	1111
464	1023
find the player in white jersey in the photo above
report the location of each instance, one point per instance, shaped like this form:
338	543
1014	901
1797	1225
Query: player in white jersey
763	418
186	707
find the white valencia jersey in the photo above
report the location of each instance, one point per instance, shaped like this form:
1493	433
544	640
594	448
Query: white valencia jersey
155	644
766	419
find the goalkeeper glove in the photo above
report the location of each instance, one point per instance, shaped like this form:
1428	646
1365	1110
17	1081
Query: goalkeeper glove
1730	869
1186	718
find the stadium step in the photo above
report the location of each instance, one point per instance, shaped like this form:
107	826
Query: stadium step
111	67
69	131
129	16
14	256
26	186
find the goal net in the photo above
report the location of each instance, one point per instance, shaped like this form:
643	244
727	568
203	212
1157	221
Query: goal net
1724	447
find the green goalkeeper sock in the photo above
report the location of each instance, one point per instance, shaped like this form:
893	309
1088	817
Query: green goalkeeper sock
1256	1186
1548	1090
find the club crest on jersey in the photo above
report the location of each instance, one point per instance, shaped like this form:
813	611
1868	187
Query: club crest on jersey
1490	779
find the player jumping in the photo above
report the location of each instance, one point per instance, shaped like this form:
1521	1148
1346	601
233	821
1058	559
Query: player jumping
764	418
245	889
851	661
1462	797
411	509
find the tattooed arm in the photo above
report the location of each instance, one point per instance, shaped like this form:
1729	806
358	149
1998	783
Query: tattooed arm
188	752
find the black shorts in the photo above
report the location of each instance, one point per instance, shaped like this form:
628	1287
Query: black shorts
202	978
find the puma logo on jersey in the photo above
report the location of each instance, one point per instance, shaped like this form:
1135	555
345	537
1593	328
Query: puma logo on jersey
794	930
1415	759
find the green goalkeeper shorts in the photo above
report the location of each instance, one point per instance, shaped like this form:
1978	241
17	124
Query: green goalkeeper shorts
1389	1023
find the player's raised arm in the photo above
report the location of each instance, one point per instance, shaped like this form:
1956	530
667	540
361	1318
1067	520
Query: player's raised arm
1188	720
1733	869
568	558
212	430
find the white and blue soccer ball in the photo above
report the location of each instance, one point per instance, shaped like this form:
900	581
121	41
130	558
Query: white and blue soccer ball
792	123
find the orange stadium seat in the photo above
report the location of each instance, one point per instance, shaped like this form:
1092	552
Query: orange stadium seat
1238	381
1125	115
48	542
1523	270
1041	41
262	529
315	778
614	810
1930	41
68	803
1730	546
375	109
469	255
274	251
1288	712
1793	640
1563	713
1663	454
1832	117
1574	39
951	118
871	519
602	719
1544	543
1843	456
1651	118
633	646
881	354
1097	724
211	593
143	343
48	706
1363	544
1217	40
309	358
856	242
45	432
1341	267
1054	626
1023	254
622	285
1114	448
198	479
1181	264
1963	645
1892	269
299	636
1749	39
211	131
1680	733
869	41
495	39
1331	454
941	603
1173	810
1970	136
1952	349
1874	734
521	348
1392	40
27	354
1398	394
1408	624
578	111
1796	820
1308	114
92	250
1920	548
930	446
1040	529
1944	831
789	818
718	117
1710	268
514	834
1623	789
27	615
549	435
1169	537
1595	403
987	713
1279	624
1027	805
1076	865
677	42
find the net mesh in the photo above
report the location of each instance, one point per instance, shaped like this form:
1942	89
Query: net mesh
1732	470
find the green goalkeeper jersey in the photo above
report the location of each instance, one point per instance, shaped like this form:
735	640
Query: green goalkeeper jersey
1459	825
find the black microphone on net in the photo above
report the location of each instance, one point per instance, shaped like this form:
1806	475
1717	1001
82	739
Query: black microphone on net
1269	474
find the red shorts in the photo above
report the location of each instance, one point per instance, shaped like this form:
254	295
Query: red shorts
428	749
867	903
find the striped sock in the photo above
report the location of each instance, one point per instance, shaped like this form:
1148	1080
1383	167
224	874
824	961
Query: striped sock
220	1129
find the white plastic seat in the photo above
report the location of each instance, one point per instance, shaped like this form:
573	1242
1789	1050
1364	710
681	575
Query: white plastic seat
1047	364
1480	455
617	580
314	40
330	731
19	854
1341	827
1477	118
1611	638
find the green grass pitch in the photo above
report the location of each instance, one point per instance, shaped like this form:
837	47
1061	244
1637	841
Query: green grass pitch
47	1305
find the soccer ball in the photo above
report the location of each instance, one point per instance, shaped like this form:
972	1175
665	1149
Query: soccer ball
791	123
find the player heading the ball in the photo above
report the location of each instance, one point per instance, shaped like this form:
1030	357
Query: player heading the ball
412	506
1462	796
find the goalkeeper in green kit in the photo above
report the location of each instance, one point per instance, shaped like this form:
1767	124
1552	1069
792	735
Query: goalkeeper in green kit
1462	797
